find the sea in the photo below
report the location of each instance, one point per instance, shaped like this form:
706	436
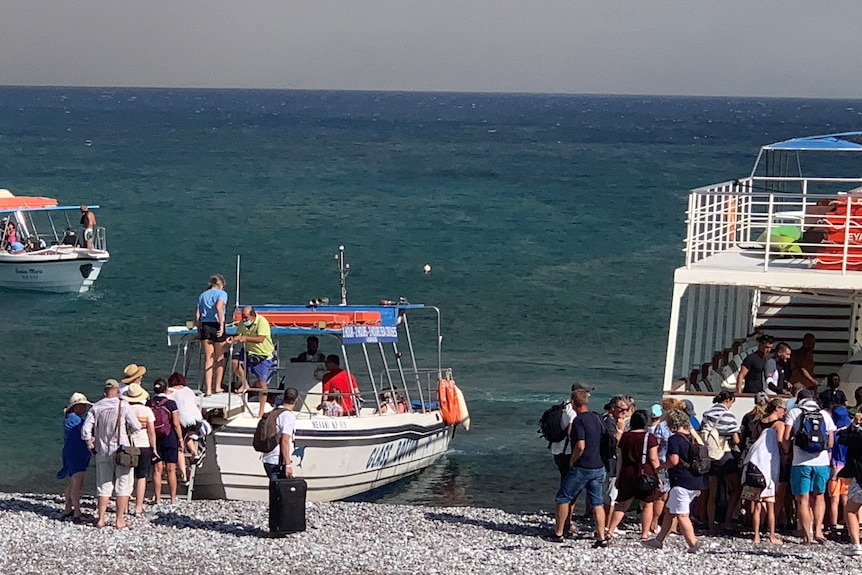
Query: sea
552	225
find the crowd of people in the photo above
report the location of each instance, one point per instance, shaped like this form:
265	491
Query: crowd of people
791	465
135	437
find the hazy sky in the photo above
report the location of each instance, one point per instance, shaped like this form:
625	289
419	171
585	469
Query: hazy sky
757	48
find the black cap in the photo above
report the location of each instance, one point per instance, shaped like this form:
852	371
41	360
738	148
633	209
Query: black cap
577	386
804	394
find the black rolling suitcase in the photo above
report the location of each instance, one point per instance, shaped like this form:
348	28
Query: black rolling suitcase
286	506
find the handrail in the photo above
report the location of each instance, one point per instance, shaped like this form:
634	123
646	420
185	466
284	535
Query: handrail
731	215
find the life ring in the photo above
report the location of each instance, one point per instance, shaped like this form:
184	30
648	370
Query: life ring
449	405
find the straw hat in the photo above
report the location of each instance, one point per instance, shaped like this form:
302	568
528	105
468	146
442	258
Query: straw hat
136	394
77	399
132	372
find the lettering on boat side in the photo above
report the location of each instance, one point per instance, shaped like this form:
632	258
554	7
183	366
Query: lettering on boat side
328	424
28	273
391	453
369	334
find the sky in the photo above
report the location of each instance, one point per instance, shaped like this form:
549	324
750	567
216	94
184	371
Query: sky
787	48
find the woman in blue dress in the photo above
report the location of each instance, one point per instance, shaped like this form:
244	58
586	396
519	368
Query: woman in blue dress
76	456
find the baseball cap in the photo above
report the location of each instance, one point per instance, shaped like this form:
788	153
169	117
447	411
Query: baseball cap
577	386
655	411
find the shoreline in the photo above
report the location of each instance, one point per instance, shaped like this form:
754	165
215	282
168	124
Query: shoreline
222	537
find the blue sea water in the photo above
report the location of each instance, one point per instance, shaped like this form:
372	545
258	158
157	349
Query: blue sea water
553	224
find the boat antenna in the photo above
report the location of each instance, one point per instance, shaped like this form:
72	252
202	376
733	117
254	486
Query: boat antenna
237	281
343	271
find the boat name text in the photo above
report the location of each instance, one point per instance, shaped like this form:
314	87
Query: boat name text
391	453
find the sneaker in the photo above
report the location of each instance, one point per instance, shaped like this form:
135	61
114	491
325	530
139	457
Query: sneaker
854	551
601	543
652	543
552	538
693	549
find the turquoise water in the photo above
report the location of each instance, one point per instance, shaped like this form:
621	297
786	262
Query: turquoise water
553	225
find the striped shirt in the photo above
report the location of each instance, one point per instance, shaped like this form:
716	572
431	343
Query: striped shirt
721	419
101	425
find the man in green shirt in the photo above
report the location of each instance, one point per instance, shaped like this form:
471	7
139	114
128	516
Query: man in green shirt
255	357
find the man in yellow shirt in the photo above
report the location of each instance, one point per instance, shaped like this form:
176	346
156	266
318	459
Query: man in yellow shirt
256	336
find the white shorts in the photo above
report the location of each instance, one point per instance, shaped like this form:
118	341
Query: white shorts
112	479
679	500
609	491
854	492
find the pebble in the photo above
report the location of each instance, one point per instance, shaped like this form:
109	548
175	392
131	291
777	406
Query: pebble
231	537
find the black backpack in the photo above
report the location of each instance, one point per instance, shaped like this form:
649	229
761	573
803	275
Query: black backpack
551	423
608	442
699	461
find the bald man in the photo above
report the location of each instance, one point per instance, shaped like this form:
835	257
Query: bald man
256	336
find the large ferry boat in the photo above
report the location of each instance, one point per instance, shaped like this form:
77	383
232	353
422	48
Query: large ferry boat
779	253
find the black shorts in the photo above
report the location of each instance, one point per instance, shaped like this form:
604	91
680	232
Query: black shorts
209	331
725	466
145	463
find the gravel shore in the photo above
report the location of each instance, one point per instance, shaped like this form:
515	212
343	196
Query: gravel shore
229	537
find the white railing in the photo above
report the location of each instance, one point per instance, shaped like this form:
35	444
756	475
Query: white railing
770	216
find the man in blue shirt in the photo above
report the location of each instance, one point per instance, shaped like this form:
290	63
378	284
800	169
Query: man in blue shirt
587	471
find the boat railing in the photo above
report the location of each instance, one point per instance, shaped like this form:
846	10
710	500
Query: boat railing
798	222
100	239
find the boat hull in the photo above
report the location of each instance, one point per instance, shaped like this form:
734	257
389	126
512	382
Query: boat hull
338	457
72	270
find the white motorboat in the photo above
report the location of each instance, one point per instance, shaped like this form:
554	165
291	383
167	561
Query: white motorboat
46	260
778	253
337	456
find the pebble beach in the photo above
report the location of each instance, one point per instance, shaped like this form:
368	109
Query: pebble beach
227	537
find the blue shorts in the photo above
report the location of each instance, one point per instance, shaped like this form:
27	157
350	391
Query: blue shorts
578	479
805	479
257	366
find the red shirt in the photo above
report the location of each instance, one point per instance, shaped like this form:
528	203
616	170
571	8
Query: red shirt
338	380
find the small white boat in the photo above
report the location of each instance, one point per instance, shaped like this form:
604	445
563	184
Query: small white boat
46	260
778	253
337	456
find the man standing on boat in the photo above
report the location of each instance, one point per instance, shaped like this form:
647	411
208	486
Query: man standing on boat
752	374
802	364
337	378
88	220
255	333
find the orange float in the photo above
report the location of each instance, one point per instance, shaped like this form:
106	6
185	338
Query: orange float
447	395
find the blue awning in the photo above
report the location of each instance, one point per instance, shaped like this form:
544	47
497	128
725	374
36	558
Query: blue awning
844	142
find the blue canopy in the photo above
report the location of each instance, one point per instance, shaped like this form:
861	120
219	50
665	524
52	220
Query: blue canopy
844	142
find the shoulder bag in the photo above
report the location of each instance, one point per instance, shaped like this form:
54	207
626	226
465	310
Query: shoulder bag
125	456
647	484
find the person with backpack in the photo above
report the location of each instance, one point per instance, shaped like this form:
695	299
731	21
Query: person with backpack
851	438
687	464
720	432
587	471
555	426
168	432
812	433
279	427
761	468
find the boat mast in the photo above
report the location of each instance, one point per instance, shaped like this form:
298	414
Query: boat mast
343	271
237	282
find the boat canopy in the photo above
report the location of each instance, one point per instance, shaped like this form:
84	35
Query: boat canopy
352	323
12	203
843	142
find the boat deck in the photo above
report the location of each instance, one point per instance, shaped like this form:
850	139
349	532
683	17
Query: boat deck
749	267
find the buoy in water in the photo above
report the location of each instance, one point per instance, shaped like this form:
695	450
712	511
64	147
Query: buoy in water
427	268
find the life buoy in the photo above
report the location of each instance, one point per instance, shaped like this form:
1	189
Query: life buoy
449	405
